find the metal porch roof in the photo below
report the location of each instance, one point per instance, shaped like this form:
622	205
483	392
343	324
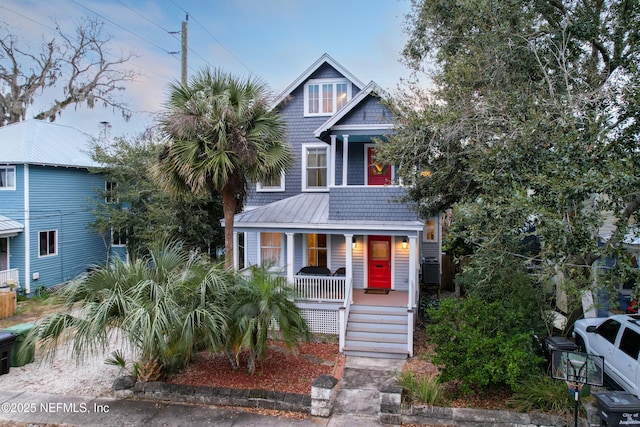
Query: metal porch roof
9	226
310	211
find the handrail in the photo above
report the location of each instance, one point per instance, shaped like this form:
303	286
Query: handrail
343	315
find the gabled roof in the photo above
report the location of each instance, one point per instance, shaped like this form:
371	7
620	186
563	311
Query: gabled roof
309	71
45	143
9	227
371	88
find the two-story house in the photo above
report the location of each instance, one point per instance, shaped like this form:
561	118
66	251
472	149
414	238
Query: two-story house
335	223
45	209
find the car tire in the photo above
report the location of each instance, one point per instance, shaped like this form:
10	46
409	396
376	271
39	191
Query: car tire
580	344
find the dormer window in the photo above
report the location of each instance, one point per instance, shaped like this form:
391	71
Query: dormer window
325	97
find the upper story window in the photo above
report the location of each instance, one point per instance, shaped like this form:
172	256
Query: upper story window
315	167
48	243
110	195
276	184
7	178
119	237
325	97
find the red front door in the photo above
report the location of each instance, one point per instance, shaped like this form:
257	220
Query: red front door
377	173
379	261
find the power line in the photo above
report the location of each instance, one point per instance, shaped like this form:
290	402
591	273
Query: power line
59	30
214	38
123	28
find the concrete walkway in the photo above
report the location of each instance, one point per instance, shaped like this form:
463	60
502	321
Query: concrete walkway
357	404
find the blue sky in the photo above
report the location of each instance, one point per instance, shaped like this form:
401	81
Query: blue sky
275	40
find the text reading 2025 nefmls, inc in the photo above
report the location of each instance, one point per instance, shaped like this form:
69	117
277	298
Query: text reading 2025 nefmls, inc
54	407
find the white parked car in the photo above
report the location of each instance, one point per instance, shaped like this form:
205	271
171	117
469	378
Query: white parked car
617	339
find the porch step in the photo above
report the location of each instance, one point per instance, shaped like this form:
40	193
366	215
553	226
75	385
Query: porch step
377	331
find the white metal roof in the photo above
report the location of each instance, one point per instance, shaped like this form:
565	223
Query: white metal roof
45	143
9	227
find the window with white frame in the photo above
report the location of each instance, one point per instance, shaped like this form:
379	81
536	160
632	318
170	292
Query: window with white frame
119	237
48	243
430	233
315	164
317	250
276	184
271	248
110	192
325	97
7	178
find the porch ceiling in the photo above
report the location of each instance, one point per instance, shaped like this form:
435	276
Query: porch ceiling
310	211
9	227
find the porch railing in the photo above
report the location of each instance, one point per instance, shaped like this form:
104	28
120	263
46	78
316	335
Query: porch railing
343	317
9	275
320	288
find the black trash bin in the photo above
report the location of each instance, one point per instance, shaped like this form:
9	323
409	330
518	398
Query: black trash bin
6	345
551	344
617	408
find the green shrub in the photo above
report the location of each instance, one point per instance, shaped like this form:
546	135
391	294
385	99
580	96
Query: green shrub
541	392
423	389
480	344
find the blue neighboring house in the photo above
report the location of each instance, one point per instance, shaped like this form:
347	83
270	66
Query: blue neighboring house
45	193
335	225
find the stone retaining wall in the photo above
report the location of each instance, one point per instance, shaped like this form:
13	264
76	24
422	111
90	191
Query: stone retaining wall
219	396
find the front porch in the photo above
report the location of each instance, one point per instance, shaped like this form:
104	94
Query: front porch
367	324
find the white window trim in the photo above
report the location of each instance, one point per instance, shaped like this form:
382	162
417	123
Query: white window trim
321	82
436	228
305	147
12	188
280	262
57	239
108	197
265	189
305	249
119	245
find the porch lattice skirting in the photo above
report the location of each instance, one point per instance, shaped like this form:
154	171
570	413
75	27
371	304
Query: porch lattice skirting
321	321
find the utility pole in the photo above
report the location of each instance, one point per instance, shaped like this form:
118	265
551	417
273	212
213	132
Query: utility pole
184	50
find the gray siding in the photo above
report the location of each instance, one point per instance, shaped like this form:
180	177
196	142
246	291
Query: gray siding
370	203
370	111
300	131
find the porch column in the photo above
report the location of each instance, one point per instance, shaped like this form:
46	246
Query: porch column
236	252
345	159
332	177
348	241
413	269
290	253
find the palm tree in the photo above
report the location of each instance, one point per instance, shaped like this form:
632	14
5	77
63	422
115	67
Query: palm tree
164	307
222	133
263	306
